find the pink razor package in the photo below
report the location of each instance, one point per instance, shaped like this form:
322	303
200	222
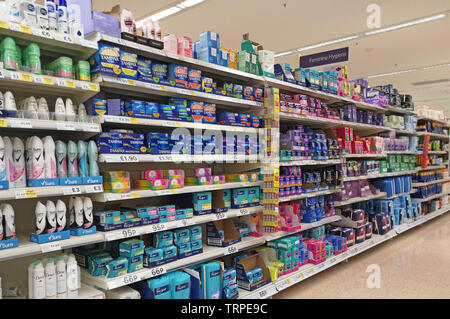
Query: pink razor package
152	174
218	179
201	172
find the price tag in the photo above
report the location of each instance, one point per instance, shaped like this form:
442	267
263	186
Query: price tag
60	82
124	281
4	24
65	126
25	29
320	266
63	37
128	159
130	232
219	216
169	123
27	193
158	227
3	123
230	250
38	79
126	196
165	158
131	82
41	33
153	86
71	190
98	188
93	87
163	192
91	128
135	195
282	285
157	271
48	80
52	246
312	271
164	88
15	76
14	26
84	85
243	211
183	91
262	294
70	84
26	77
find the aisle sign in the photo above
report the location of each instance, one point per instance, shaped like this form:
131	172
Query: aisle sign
323	58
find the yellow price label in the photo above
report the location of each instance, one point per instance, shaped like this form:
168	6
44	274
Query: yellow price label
133	120
174	191
135	195
131	82
178	124
302	276
25	29
93	87
26	77
4	24
288	281
3	123
48	80
312	271
193	93
70	84
30	193
163	88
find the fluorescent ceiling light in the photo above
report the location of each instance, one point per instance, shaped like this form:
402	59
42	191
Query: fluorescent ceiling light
165	13
189	3
170	11
283	53
322	44
407	24
392	73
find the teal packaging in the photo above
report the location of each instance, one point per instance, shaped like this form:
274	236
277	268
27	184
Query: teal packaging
97	266
196	233
135	108
182	236
227	198
159	72
163	239
131	248
210	280
169	252
128	65
109	217
229	277
178	101
180	285
240	197
117	267
154	254
106	60
144	68
166	213
253	195
184	213
160	287
143	212
256	275
231	291
135	263
152	110
184	248
8	53
196	244
202	203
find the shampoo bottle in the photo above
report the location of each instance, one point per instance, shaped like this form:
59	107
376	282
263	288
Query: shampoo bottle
61	158
49	157
18	171
72	163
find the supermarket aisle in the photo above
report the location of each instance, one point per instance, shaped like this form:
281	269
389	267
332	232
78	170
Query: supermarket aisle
413	265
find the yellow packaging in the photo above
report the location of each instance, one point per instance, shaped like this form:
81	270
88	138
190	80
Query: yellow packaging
232	58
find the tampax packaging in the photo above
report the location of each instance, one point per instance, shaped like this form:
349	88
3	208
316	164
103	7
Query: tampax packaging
195	79
247	93
207	84
106	60
179	74
196	111
128	65
144	69
133	142
209	113
158	143
159	71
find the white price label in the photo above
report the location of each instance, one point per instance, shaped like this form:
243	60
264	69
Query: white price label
230	250
153	86
262	294
94	188
38	79
219	216
71	190
130	232
41	33
282	285
91	128
159	227
126	196
129	279
84	85
121	119
20	123
163	192
15	76
63	37
165	158
153	272
60	82
128	159
184	91
52	246
14	26
243	211
320	266
25	193
65	126
345	254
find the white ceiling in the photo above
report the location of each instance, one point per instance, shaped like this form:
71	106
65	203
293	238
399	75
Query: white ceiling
281	25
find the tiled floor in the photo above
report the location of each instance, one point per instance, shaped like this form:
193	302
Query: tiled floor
415	264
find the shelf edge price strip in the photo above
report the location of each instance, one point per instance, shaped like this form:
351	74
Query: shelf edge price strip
94	188
72	190
51	246
230	250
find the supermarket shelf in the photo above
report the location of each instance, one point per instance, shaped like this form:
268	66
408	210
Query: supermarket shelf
330	98
394	109
61	126
431	182
311	162
38	192
359	199
426	199
424	118
379	175
209	253
433	153
378	155
432	135
27	248
134	122
307	195
305	226
264	292
401	152
403	132
400	194
109	197
430	168
407	226
148	158
55	44
38	85
196	220
168	57
126	86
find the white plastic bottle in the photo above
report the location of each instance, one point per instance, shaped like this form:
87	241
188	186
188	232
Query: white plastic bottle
52	15
2	101
28	157
51	217
82	114
1	225
9	227
31	108
63	25
37	159
13	7
3	162
61	278
50	279
43	113
71	211
78	210
38	281
72	159
70	111
49	157
18	172
30	279
10	104
72	277
8	156
60	215
157	30
148	29
41	218
88	217
60	110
